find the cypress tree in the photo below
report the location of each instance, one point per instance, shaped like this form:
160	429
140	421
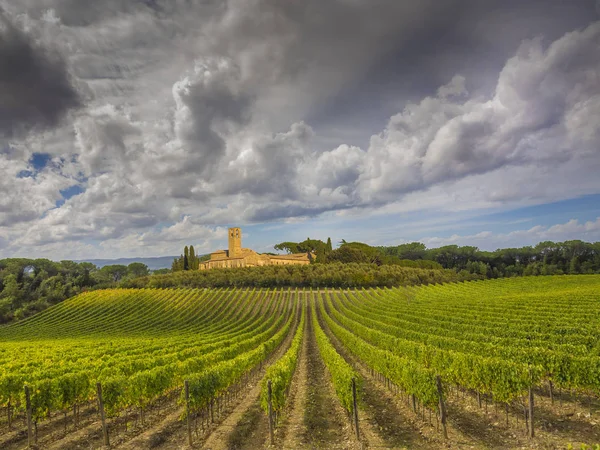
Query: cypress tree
193	260
186	258
329	247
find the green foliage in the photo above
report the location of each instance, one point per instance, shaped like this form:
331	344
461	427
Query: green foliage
188	260
112	273
280	374
341	372
137	269
215	380
28	286
412	377
491	349
311	275
289	247
358	252
194	262
311	246
497	337
412	251
240	329
546	258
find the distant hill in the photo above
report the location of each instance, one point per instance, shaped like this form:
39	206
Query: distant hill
158	262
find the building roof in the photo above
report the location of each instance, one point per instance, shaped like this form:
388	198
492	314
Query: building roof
291	256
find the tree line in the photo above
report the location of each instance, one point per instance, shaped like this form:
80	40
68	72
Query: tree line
28	286
545	258
340	275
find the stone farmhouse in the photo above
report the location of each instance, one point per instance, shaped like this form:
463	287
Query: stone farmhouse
236	256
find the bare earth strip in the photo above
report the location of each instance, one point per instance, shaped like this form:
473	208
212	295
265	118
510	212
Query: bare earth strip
251	431
247	426
217	440
155	435
383	421
172	433
325	424
48	430
292	426
90	436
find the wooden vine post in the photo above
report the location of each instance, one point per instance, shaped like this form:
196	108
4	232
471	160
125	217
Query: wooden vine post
187	410
270	402
441	405
355	408
28	408
531	431
102	416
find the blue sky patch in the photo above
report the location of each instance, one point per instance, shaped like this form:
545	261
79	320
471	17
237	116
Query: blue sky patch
68	193
40	160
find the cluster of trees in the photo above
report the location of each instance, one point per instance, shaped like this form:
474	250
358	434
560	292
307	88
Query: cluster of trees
352	275
358	252
28	286
315	248
188	260
351	252
546	258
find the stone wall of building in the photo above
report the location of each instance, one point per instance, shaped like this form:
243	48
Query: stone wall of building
236	256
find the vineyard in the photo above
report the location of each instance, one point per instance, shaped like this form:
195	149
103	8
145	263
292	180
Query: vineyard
506	363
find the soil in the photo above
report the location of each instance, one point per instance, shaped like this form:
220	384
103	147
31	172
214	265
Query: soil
576	422
251	430
313	418
291	427
91	436
383	421
325	423
241	420
556	426
49	430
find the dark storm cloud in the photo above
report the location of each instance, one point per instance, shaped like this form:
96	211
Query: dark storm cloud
82	13
276	212
262	110
470	37
35	88
210	106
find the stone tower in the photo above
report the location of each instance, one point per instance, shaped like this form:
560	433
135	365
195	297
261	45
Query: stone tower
235	242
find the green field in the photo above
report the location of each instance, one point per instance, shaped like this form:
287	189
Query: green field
494	342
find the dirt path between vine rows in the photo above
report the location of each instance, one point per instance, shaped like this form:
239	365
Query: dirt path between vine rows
172	433
324	422
49	430
91	436
382	420
292	423
248	426
219	437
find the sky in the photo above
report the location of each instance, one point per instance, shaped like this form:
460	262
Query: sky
130	128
